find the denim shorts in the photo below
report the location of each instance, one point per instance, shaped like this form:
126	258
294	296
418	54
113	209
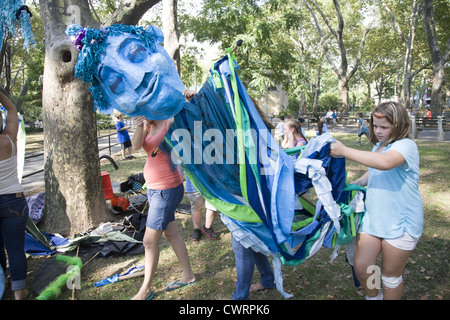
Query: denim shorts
162	205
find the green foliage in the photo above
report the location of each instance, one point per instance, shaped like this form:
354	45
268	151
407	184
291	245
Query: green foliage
190	59
281	46
328	101
366	105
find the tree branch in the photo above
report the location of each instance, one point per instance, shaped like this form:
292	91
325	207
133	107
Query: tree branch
395	22
322	39
340	38
325	19
130	12
413	74
361	49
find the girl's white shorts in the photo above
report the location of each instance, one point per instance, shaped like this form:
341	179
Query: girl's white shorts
405	242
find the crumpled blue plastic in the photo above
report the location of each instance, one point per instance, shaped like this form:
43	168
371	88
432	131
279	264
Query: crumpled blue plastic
114	278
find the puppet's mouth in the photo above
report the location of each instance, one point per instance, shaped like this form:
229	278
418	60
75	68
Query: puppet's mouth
148	84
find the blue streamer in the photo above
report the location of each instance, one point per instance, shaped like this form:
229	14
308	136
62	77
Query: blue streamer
11	13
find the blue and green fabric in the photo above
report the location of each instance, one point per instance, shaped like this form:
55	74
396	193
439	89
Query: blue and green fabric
249	178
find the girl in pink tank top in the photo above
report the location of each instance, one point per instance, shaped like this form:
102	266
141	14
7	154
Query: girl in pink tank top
164	191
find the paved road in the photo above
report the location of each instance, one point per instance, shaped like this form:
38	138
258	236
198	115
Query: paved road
37	163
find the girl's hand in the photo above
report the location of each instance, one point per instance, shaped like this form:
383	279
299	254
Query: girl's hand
337	149
188	94
138	121
290	136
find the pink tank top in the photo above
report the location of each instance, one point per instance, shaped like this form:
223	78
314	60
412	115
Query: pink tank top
158	172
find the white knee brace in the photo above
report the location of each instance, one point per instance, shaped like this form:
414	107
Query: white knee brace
391	282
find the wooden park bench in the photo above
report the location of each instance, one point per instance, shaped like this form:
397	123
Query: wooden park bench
438	123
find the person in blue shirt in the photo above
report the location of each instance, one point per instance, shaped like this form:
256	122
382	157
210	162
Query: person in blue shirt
362	128
123	137
393	220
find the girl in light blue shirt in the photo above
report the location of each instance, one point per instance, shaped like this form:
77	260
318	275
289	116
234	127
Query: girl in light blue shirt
393	221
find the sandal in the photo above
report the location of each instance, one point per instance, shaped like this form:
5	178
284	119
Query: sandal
150	297
179	285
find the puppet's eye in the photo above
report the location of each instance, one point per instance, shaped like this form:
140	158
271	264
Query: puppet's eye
112	80
116	85
137	53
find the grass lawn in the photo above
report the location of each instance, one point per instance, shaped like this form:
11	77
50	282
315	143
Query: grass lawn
426	275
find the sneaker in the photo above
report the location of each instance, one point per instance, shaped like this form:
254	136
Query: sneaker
210	233
358	143
196	235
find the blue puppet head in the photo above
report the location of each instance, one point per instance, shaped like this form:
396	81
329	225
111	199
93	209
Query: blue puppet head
128	70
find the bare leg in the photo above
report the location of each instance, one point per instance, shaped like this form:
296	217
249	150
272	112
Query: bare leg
151	247
393	263
179	247
21	294
210	216
367	250
196	218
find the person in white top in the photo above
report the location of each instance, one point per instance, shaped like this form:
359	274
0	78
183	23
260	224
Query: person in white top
13	205
280	129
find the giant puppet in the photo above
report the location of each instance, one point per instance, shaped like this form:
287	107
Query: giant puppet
224	146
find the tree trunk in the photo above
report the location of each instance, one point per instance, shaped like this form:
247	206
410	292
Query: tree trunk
343	95
302	105
405	93
73	192
170	30
317	91
341	70
438	59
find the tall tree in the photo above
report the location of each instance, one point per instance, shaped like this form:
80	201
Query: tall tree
438	57
408	41
73	192
341	70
